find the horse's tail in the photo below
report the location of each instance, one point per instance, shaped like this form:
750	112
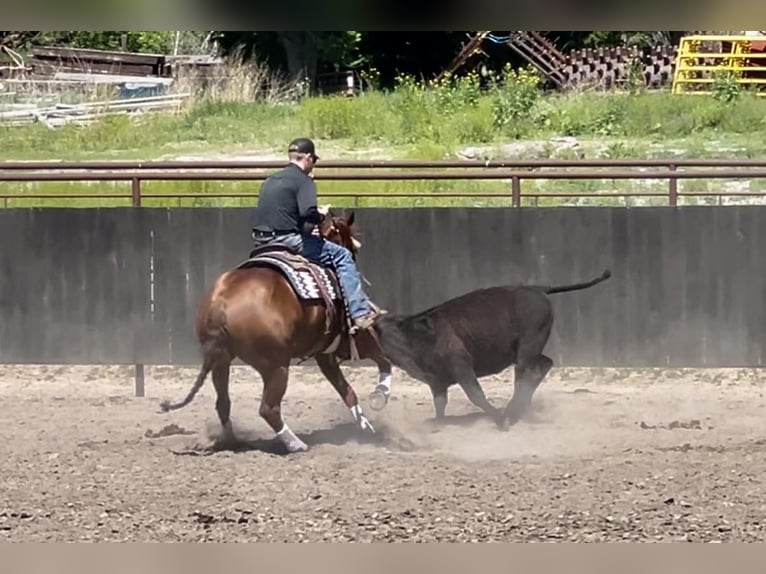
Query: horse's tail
577	286
214	335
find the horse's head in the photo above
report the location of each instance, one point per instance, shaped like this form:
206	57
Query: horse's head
340	230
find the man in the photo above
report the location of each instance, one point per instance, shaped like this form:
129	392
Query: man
287	213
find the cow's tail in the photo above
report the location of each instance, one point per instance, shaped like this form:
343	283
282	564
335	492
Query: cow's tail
577	286
214	335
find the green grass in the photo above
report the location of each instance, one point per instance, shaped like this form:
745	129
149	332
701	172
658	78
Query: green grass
412	122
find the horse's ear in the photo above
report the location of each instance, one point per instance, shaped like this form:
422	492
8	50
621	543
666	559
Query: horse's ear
350	220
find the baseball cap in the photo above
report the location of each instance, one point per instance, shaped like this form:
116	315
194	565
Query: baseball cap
302	145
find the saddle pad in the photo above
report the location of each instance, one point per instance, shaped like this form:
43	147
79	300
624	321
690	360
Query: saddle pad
300	278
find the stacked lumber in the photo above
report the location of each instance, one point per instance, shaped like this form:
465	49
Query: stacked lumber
121	83
47	60
58	114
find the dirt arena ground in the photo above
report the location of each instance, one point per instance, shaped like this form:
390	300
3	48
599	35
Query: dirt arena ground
606	455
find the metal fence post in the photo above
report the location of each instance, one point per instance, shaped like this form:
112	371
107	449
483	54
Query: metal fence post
135	191
516	191
672	186
138	377
139	380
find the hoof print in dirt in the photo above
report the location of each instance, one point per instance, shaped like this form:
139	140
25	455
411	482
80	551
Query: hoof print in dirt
686	447
167	430
207	519
693	424
402	444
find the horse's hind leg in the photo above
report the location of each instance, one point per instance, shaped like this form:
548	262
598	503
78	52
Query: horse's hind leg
274	387
221	375
328	364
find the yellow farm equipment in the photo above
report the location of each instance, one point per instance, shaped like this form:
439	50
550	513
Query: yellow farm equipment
702	59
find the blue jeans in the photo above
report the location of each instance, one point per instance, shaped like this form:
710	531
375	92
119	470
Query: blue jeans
327	253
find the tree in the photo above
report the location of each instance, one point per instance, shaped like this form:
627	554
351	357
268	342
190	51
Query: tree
301	54
602	39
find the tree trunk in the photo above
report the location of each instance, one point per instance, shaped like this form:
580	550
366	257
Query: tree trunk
302	54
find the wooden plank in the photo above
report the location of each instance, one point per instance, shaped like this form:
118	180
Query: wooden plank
669	278
690	343
133	289
82	54
753	282
17	278
557	267
619	249
149	80
171	263
50	68
595	307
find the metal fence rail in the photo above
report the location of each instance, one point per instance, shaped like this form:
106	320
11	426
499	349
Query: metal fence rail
514	171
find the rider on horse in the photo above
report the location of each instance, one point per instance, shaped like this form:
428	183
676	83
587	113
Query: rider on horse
286	215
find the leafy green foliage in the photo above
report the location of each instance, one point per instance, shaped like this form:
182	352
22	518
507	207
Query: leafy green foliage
725	87
147	42
513	99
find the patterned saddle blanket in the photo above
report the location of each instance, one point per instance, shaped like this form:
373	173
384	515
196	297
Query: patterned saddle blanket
309	280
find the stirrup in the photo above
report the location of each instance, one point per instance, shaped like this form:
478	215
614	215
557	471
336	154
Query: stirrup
378	310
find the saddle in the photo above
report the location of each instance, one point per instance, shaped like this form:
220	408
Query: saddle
310	281
269	248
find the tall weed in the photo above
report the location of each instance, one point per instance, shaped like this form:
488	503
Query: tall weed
514	95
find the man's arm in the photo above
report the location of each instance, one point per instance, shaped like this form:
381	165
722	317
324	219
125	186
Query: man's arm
307	203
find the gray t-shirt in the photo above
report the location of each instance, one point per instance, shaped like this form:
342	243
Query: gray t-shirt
287	202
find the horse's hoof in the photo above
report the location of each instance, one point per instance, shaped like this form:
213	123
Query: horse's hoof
378	398
295	445
366	426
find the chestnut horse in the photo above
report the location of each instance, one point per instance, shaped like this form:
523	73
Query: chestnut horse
254	314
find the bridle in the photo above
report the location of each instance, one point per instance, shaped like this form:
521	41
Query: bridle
332	230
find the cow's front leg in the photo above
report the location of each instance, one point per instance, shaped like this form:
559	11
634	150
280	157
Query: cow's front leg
470	385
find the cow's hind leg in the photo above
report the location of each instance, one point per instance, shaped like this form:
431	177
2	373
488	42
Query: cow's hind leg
328	364
439	394
274	387
528	376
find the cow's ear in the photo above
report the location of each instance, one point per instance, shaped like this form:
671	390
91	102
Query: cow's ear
350	220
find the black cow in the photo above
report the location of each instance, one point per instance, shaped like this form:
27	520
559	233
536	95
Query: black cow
478	334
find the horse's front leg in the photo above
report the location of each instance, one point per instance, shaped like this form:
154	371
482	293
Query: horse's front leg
369	348
379	396
328	364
